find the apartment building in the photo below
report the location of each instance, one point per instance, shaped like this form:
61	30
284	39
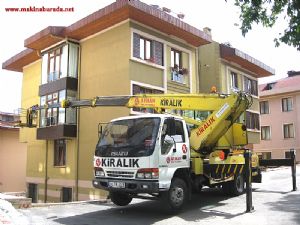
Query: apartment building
12	155
125	48
280	117
229	69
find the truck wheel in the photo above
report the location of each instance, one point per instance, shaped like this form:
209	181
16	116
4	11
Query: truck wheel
235	187
177	194
120	199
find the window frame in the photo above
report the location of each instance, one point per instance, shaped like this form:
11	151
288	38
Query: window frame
290	134
145	40
58	153
250	118
234	82
263	131
53	55
285	105
264	111
253	86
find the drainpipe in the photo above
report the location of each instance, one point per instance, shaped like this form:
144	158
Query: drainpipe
46	173
78	120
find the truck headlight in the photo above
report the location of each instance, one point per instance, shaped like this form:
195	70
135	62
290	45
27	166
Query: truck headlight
99	172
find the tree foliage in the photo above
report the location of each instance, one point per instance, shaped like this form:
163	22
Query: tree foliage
267	12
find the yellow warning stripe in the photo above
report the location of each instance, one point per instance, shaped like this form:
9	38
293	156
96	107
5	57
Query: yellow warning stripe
223	169
241	169
229	169
217	168
235	169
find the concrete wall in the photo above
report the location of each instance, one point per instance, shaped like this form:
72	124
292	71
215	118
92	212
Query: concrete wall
12	161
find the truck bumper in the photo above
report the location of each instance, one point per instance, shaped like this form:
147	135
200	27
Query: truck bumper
129	186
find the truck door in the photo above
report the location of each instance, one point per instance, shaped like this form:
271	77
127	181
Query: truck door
174	152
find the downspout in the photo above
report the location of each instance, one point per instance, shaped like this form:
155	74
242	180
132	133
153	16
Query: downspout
46	173
77	130
197	68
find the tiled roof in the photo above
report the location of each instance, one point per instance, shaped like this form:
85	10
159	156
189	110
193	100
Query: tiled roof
285	85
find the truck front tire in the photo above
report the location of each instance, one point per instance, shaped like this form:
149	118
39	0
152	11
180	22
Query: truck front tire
177	194
120	199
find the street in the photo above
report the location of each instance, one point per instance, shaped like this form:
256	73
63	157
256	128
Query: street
273	201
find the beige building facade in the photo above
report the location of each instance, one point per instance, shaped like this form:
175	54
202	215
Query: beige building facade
12	156
229	69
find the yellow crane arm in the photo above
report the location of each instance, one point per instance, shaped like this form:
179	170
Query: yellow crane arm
225	110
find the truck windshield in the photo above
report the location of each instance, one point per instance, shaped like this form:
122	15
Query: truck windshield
128	138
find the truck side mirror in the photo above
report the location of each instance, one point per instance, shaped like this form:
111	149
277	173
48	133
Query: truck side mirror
171	127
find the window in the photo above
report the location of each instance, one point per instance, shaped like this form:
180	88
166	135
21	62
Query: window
33	192
66	194
54	116
264	107
270	86
252	120
250	86
54	64
59	152
288	130
136	89
265	155
287	155
177	70
147	49
59	62
168	141
287	104
265	133
7	118
234	80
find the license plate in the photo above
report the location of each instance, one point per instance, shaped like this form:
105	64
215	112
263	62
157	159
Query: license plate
116	184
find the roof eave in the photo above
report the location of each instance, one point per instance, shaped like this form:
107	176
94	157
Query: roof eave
246	61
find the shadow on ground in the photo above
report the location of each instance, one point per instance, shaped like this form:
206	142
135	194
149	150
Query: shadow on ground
148	212
288	204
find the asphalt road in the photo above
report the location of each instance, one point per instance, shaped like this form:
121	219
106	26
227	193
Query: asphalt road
274	203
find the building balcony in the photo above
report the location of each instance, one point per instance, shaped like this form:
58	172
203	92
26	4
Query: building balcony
60	131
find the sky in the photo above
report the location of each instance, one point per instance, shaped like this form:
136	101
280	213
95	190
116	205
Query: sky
221	17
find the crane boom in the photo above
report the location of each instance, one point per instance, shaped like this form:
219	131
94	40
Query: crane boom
225	110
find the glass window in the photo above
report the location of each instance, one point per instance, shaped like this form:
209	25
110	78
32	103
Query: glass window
288	131
54	64
264	107
265	133
234	80
250	86
54	116
252	121
168	141
59	152
287	104
177	72
265	155
146	49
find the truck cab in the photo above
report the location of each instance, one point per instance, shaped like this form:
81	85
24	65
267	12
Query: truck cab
141	154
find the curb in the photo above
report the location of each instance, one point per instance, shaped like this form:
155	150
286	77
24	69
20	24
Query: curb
49	204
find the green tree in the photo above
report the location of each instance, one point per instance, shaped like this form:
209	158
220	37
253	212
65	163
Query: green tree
267	12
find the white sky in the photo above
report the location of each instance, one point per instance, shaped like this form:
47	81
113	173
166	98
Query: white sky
220	16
